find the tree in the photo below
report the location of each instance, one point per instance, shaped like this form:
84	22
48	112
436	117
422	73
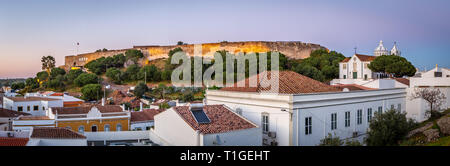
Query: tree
32	83
321	65
181	43
132	72
433	96
57	71
188	96
18	85
397	66
388	128
86	78
161	90
115	75
166	75
140	89
56	83
331	141
48	62
91	91
73	74
42	76
133	55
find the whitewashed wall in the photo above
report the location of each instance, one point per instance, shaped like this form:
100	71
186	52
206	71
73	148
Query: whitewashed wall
170	127
247	137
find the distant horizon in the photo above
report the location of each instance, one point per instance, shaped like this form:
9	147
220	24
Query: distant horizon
32	29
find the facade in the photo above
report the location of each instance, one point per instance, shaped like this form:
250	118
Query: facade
80	119
7	117
68	101
435	78
305	111
356	67
199	125
36	106
143	120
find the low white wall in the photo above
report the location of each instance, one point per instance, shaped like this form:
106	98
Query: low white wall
117	135
57	142
247	137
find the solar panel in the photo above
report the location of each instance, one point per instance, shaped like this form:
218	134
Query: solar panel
200	116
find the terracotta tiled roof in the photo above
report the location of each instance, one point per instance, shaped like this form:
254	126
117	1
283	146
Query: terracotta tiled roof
365	58
34	118
402	80
361	57
57	94
346	59
222	119
86	109
10	113
5	141
289	83
352	87
55	133
21	99
145	115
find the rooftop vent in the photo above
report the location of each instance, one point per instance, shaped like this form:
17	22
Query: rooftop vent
198	113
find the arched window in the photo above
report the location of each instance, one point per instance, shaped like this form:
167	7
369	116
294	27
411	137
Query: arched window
107	127
94	128
81	129
119	127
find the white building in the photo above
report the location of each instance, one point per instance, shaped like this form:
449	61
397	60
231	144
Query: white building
35	106
435	78
381	50
305	111
143	120
198	125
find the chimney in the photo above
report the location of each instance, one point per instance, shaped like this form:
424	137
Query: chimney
123	107
103	101
140	106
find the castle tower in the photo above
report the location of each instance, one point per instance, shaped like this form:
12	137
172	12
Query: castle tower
380	50
395	50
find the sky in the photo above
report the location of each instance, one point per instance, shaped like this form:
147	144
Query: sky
30	29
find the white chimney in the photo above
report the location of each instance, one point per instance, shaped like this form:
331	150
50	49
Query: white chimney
140	105
103	101
123	107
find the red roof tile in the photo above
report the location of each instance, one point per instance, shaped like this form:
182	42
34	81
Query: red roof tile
222	119
346	59
145	115
86	109
365	58
289	83
5	141
55	133
10	113
34	118
402	80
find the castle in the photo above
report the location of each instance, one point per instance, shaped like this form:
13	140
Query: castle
292	49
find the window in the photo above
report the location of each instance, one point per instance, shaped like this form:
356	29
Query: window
107	127
308	125
43	108
239	111
399	107
380	110
36	108
265	122
81	129
148	128
355	66
369	114
392	107
359	117
344	66
119	127
333	121
347	119
365	65
28	108
138	129
437	74
19	108
94	128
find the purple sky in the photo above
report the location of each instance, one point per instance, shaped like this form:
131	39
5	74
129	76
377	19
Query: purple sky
32	29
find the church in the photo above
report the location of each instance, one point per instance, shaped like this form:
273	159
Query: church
355	70
356	67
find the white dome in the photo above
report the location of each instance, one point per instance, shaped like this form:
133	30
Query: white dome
395	50
381	50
